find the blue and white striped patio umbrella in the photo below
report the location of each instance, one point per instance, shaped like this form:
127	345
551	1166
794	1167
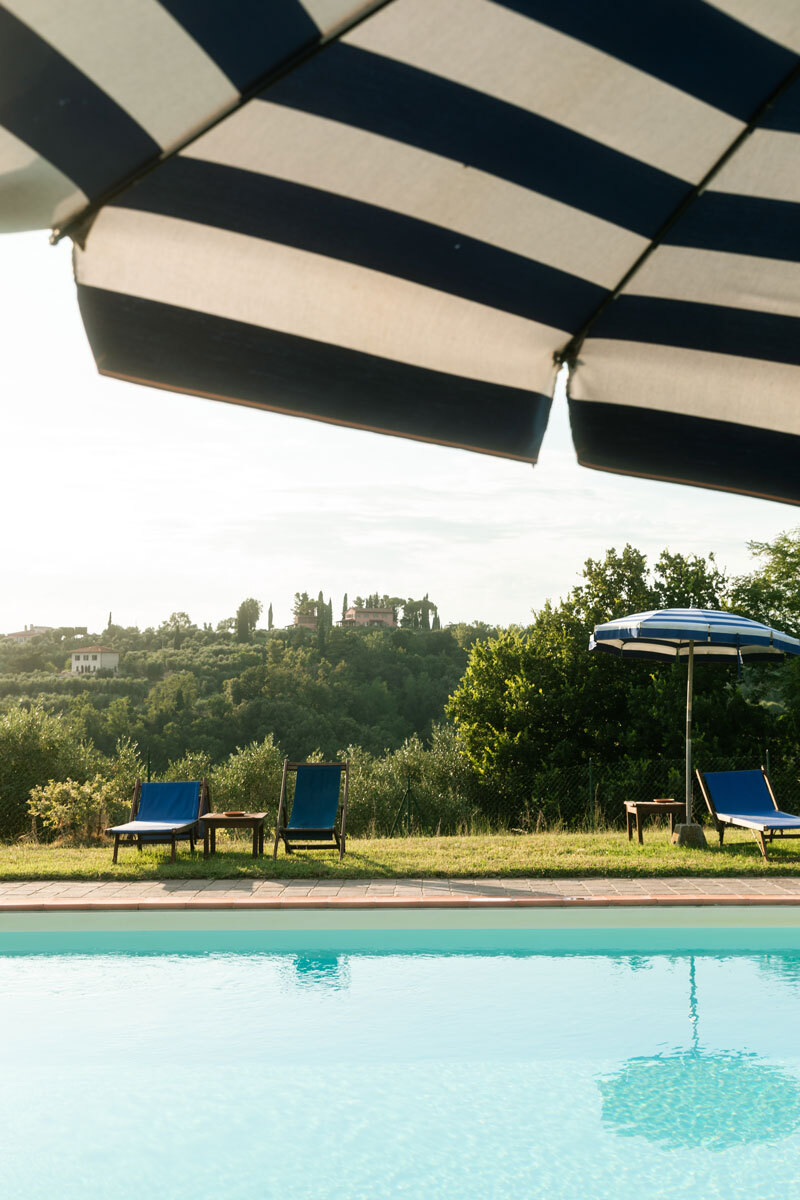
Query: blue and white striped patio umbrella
398	214
671	634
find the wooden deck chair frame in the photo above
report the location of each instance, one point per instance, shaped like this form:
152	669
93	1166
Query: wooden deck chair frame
338	841
129	839
761	836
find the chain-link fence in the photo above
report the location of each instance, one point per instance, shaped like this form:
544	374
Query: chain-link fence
592	795
434	790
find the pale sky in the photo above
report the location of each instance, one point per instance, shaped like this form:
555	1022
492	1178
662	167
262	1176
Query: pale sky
126	499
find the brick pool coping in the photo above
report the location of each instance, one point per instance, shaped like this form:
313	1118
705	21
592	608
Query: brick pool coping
88	896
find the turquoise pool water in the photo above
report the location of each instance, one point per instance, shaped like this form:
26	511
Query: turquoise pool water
251	1072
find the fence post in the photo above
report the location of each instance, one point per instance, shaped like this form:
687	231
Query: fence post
590	809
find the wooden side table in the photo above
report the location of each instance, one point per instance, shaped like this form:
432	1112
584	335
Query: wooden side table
642	808
215	821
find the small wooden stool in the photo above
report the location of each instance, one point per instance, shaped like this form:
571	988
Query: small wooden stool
215	821
640	808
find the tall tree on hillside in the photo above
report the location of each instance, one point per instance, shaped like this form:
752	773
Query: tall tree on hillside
303	605
345	606
613	586
688	581
269	616
771	593
410	617
395	603
177	626
324	622
247	615
533	697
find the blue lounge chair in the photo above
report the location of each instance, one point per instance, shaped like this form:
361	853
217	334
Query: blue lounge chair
165	813
745	799
315	812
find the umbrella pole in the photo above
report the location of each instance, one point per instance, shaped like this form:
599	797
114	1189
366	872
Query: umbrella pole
689	690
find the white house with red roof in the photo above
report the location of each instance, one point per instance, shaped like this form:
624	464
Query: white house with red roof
30	631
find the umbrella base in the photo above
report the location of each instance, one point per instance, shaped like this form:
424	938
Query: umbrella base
690	835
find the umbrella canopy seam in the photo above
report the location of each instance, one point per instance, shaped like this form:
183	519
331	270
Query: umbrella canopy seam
569	355
78	226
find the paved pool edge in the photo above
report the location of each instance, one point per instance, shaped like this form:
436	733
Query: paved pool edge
387	895
393	903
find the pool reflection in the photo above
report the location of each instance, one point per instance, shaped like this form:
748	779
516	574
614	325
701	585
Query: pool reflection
693	1098
330	972
701	1098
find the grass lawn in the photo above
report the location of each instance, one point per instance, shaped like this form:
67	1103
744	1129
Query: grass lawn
540	854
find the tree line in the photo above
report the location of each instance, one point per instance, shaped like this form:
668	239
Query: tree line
407	612
533	701
185	688
526	708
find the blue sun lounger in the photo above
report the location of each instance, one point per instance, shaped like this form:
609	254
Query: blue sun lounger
163	812
745	800
315	813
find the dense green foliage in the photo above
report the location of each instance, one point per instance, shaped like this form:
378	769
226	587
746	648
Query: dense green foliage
182	689
228	703
411	789
77	812
34	748
533	703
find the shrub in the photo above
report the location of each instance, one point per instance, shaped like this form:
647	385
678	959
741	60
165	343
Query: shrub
195	764
367	809
35	746
77	812
123	769
452	790
250	779
440	782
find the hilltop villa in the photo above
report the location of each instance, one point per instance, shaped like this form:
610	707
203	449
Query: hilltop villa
369	616
94	658
30	631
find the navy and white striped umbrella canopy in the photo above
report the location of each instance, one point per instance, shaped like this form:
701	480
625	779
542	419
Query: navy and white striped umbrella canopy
667	634
403	214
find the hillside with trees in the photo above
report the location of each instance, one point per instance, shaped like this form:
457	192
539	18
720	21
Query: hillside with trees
516	726
185	688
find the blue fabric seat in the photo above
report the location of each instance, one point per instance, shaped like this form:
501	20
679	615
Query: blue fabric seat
164	813
315	811
745	799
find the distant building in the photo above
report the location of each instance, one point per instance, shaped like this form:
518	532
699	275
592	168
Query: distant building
89	659
30	631
306	620
374	617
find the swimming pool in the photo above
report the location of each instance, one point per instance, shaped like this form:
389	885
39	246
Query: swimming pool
563	1055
